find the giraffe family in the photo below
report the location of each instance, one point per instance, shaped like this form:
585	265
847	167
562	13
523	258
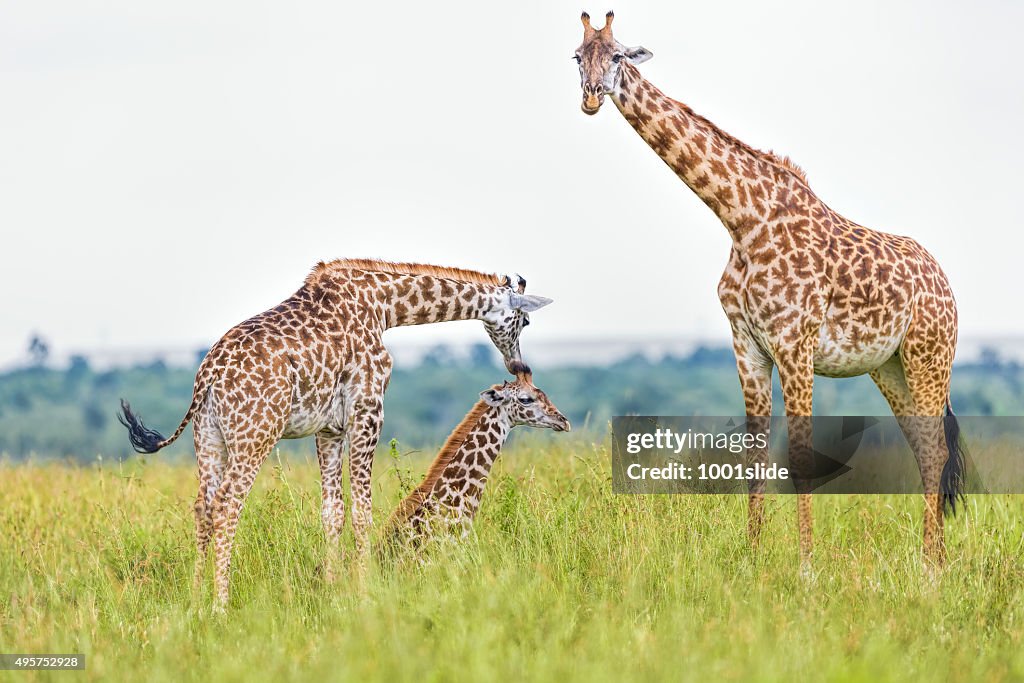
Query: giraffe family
806	290
450	494
316	365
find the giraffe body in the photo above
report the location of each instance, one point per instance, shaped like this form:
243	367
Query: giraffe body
806	290
316	365
860	324
449	496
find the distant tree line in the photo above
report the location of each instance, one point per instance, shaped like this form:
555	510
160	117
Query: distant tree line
70	412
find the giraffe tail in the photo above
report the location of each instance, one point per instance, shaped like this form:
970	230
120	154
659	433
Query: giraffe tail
143	439
952	481
146	440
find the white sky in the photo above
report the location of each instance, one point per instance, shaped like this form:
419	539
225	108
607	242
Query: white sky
169	168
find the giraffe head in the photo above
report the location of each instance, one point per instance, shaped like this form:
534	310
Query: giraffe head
506	320
525	404
600	57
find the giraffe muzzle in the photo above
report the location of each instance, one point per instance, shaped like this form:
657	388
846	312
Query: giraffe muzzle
593	97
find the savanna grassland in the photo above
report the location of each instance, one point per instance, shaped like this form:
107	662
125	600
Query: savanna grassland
562	581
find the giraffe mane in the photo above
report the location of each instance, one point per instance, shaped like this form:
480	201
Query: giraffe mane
791	166
770	157
326	268
411	503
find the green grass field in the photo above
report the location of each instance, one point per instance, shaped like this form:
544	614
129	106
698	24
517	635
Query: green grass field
562	580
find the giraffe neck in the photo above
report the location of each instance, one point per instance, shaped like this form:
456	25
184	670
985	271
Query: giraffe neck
422	299
400	299
742	185
458	492
451	492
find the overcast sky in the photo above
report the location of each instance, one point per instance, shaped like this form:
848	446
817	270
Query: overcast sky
168	169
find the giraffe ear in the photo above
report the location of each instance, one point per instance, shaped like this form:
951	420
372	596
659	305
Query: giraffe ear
638	55
493	397
529	302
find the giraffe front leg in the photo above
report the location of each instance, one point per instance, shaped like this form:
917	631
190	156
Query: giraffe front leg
330	454
364	432
755	372
796	374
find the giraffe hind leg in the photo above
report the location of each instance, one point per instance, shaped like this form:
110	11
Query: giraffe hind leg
227	510
211	458
246	454
918	413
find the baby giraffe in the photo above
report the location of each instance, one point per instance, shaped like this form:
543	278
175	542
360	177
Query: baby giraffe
449	496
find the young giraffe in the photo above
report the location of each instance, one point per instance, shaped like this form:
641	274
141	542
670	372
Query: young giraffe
316	364
805	290
451	491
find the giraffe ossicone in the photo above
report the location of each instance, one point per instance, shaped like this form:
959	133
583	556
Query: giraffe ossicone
806	290
316	364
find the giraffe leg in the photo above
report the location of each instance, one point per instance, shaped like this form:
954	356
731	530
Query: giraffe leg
211	456
330	454
227	509
931	456
796	374
928	382
364	432
892	382
755	371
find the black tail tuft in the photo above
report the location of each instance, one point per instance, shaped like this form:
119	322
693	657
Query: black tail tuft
953	474
144	439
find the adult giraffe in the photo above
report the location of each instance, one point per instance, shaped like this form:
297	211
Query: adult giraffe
805	289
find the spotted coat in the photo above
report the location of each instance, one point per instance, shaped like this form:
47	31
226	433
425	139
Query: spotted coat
806	290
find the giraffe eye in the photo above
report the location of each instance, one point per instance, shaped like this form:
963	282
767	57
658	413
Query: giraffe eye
526	321
578	59
526	400
617	57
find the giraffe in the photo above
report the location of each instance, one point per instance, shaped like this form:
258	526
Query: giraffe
806	290
316	365
451	491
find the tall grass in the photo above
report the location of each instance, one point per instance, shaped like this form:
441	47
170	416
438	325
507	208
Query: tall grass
561	580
